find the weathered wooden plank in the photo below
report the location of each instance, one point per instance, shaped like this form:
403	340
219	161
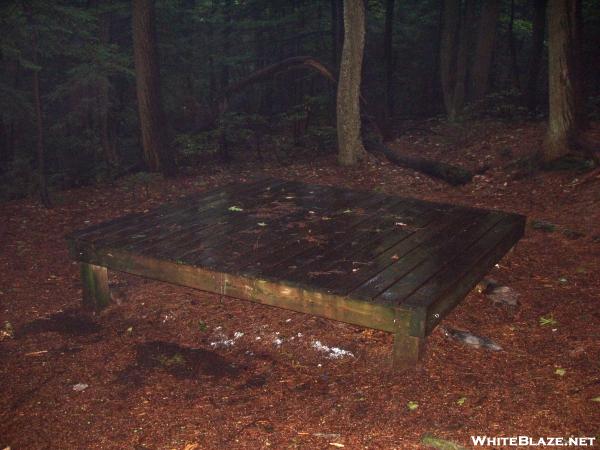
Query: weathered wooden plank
250	226
269	292
96	294
439	255
337	267
314	266
198	222
293	269
411	252
164	211
262	237
324	225
137	235
451	285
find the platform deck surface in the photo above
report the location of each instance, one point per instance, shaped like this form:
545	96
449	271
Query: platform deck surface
322	241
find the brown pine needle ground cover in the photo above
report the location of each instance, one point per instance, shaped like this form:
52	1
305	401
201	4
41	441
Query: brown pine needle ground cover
167	367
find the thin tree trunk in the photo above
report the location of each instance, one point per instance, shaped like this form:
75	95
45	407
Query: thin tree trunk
562	118
107	132
389	57
348	94
576	27
337	30
39	119
152	117
448	54
486	36
514	66
462	58
537	49
227	5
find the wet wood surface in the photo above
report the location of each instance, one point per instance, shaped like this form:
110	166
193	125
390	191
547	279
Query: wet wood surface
381	261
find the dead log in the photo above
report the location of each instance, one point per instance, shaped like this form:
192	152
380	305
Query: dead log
456	176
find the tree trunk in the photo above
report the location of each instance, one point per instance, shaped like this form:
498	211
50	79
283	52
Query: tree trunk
337	30
562	119
348	93
514	66
39	119
447	54
537	49
226	37
389	57
462	57
107	129
152	117
486	36
576	22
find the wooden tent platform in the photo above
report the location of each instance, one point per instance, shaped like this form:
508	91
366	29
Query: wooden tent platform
378	261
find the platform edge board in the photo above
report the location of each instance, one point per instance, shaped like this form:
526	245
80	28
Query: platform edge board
446	302
264	291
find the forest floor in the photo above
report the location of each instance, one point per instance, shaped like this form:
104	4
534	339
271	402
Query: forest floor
161	375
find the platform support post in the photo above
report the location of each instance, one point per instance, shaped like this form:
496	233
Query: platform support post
96	294
409	339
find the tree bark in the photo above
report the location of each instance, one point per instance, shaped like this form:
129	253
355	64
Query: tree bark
576	21
462	57
563	115
514	66
350	147
537	49
107	129
447	53
389	57
39	119
337	30
486	36
152	117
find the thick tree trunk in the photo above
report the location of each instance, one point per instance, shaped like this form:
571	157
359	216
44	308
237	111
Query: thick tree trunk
388	57
350	147
562	119
152	117
537	50
448	53
486	35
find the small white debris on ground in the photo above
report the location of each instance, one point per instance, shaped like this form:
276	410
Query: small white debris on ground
332	352
80	387
277	341
224	341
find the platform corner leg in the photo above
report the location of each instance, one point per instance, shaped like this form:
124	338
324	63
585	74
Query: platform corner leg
407	351
96	294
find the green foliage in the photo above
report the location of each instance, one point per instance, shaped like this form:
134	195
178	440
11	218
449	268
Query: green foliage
85	66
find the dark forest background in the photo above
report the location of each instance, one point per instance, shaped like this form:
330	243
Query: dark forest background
81	53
